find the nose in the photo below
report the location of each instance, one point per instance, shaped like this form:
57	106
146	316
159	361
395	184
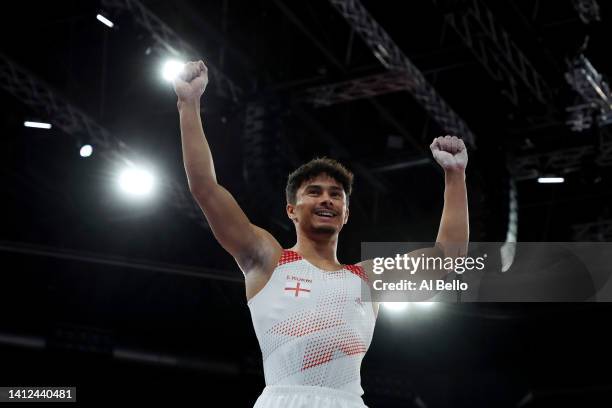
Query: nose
326	199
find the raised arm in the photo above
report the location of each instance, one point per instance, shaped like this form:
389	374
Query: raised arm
251	246
454	231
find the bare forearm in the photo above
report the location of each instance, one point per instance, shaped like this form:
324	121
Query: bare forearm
197	156
454	226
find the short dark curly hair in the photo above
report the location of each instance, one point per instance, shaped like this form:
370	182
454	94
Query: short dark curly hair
314	168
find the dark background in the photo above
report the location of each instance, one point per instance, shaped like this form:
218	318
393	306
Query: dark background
136	301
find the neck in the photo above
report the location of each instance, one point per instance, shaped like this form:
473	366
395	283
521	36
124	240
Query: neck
322	248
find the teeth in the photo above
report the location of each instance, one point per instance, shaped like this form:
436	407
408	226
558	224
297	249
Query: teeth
324	214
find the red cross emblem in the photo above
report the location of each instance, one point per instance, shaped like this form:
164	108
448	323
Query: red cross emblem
297	289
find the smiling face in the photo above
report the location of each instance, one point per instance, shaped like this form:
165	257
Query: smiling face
320	206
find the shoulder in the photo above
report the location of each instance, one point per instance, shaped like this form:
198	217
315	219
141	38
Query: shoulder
265	256
358	269
367	268
288	256
258	273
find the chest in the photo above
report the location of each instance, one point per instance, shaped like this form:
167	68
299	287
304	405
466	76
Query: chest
331	297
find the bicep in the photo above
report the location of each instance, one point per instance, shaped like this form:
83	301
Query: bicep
231	227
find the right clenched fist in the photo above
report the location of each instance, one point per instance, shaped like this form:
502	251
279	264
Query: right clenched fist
190	84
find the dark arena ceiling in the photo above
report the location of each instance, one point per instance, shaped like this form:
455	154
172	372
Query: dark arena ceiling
135	300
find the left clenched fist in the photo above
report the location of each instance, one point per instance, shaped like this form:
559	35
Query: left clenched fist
450	153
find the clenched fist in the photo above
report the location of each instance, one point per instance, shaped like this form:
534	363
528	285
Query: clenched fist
450	153
190	84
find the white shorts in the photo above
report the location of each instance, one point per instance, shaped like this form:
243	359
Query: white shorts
303	396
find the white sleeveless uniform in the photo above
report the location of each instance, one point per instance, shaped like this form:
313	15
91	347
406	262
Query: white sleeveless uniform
313	328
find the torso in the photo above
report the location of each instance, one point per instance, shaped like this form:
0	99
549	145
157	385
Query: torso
313	326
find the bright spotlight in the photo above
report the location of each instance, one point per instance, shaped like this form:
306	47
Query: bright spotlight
105	21
171	69
86	151
395	306
136	181
544	180
425	305
38	125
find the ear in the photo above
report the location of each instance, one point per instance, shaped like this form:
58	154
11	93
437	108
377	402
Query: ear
291	212
346	215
